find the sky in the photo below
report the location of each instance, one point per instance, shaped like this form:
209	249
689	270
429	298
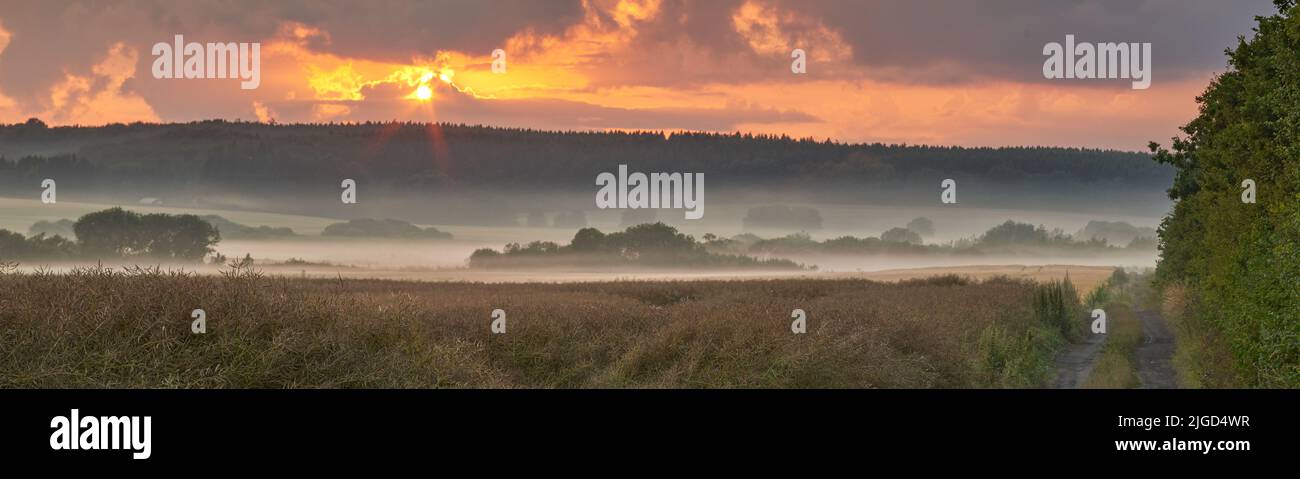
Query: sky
953	72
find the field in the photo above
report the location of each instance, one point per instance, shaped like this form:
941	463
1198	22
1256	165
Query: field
397	259
328	312
19	214
114	328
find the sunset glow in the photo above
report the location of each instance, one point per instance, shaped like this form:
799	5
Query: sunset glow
627	65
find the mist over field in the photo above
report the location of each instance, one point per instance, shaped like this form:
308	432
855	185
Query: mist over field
273	192
388	257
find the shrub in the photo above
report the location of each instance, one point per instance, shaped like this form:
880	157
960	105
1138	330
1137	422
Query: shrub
922	226
53	228
900	235
1056	303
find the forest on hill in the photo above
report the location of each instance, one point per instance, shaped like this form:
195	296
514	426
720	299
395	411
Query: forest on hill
245	155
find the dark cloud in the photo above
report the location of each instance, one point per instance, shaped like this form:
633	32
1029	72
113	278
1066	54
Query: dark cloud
939	41
396	30
1004	38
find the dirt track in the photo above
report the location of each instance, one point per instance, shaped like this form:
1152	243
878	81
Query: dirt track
1154	357
1155	354
1074	365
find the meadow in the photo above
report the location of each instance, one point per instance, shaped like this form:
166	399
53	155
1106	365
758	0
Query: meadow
131	328
396	257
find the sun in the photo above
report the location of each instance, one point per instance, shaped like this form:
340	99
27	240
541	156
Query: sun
424	93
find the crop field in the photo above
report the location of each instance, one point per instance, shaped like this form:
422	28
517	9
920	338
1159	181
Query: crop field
98	327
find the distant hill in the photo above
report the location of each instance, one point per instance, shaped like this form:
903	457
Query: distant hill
235	231
385	228
478	175
412	155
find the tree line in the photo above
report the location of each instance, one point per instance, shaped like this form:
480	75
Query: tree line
118	233
649	244
1238	261
415	156
1007	237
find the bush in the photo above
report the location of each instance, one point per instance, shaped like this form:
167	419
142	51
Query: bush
53	228
1056	304
14	246
1013	233
900	235
922	226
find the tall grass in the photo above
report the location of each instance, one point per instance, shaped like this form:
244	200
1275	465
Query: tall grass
98	327
1056	304
1202	356
1116	368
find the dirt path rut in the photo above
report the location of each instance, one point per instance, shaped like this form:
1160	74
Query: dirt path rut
1074	365
1155	354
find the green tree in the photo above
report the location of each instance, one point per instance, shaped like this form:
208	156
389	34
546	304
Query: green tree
588	240
1242	260
901	235
181	237
107	233
653	239
1012	233
120	233
922	226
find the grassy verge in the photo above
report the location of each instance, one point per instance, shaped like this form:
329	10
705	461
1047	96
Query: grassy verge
113	328
1116	368
1026	358
1202	355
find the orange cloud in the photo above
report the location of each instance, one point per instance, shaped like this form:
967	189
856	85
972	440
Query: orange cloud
92	99
990	114
773	31
8	109
99	98
537	66
625	64
308	75
263	112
